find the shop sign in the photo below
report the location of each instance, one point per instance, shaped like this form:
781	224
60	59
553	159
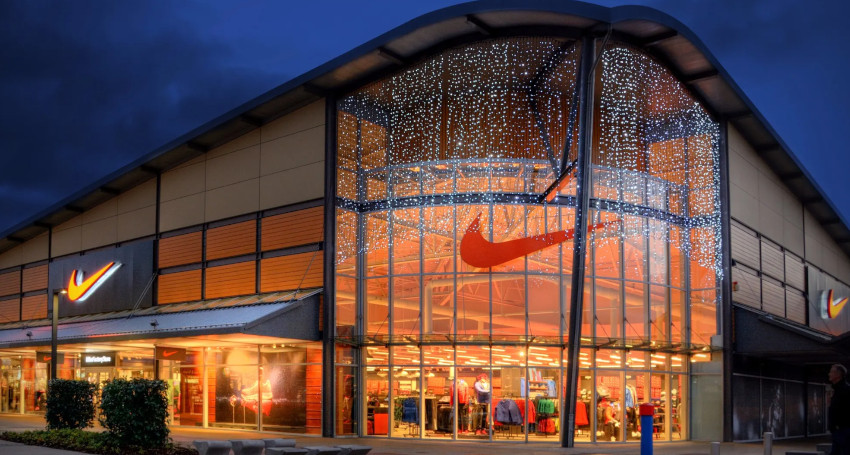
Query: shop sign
828	298
477	251
45	357
164	353
98	359
79	289
830	306
105	280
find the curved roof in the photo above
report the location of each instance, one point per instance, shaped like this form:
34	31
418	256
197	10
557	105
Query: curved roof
659	34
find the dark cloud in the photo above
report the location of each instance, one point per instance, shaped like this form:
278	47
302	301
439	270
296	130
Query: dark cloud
90	85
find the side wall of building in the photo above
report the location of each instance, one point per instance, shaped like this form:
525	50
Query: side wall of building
277	165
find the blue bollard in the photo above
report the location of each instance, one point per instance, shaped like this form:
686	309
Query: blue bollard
646	412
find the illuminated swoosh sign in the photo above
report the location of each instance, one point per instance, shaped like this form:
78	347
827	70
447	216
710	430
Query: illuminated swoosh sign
80	289
476	251
829	306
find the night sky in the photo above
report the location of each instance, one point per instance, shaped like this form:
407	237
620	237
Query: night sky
89	86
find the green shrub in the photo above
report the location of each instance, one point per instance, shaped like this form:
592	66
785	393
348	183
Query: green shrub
70	404
134	411
89	442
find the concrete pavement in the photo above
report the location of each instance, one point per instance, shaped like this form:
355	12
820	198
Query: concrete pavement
381	446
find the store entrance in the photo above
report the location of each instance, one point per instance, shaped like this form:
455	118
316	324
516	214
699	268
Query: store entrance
185	392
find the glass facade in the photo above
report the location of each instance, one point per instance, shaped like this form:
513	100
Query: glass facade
456	207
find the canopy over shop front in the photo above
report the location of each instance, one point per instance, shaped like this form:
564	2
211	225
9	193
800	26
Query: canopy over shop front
281	314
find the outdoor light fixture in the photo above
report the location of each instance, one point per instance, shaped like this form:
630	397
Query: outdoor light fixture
54	332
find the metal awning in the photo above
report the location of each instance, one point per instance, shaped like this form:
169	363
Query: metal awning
296	318
763	335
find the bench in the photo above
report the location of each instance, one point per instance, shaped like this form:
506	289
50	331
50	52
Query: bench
248	446
353	449
279	442
212	447
286	451
323	450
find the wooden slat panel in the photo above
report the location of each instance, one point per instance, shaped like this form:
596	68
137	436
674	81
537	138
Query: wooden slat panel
772	260
179	287
795	271
232	240
34	307
288	272
10	283
745	246
35	278
748	287
301	227
773	297
795	305
230	280
180	249
10	310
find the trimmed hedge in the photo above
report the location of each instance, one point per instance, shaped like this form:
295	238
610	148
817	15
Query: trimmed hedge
134	411
70	404
89	442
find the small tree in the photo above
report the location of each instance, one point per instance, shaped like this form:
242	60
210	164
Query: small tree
134	411
70	404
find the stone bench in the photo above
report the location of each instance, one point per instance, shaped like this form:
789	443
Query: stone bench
248	446
825	447
212	447
323	450
279	442
353	449
286	451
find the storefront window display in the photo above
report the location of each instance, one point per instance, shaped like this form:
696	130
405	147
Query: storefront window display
444	164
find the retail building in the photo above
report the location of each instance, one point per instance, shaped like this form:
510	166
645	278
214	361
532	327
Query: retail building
438	233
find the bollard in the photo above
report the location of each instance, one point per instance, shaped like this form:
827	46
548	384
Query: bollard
715	448
647	410
768	443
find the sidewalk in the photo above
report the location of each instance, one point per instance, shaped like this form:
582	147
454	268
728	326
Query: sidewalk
185	436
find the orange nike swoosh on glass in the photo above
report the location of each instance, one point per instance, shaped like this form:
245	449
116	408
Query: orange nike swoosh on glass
835	306
168	353
79	290
476	251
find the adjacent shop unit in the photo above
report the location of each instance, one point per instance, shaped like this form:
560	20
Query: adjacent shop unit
513	222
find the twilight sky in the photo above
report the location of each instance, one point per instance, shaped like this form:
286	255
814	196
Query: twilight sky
88	86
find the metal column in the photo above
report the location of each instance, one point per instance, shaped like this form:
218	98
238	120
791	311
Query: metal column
726	281
585	88
328	302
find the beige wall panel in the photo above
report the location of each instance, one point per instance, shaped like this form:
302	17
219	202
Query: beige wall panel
303	119
100	233
792	238
76	221
11	258
36	249
770	193
742	173
289	152
101	212
830	260
770	223
743	206
179	213
135	224
67	241
139	197
232	200
184	181
247	140
296	185
199	159
792	209
234	167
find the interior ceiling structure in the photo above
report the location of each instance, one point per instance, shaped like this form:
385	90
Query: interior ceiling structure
665	38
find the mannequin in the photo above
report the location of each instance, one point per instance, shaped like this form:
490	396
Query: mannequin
482	389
